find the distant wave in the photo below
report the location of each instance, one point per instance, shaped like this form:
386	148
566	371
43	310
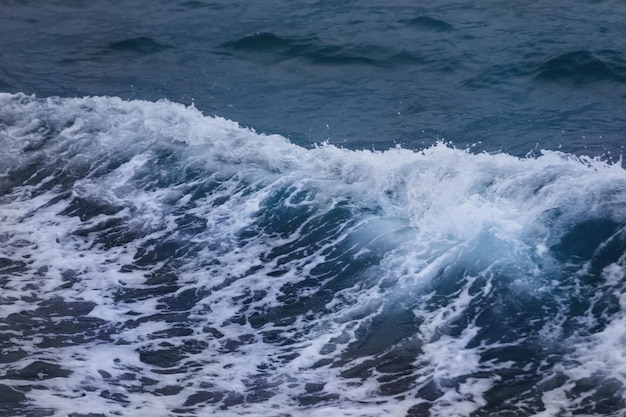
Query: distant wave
582	67
571	68
141	44
266	45
429	23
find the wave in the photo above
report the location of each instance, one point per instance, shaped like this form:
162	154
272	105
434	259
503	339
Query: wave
266	46
584	67
139	45
158	259
577	68
429	23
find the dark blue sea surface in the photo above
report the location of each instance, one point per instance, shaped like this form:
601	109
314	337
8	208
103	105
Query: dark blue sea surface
312	208
504	76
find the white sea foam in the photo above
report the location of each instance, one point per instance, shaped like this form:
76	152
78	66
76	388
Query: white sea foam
283	260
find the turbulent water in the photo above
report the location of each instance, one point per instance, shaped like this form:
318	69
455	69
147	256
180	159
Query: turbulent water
156	259
429	219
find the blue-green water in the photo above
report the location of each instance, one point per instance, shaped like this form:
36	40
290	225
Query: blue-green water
312	208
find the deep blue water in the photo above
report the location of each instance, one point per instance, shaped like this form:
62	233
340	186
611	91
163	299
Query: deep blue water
511	77
312	208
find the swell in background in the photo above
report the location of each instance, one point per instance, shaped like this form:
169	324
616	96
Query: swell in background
493	76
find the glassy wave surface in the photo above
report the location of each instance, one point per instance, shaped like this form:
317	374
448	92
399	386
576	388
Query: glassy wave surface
157	261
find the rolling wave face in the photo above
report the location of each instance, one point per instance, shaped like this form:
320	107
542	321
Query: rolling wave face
157	259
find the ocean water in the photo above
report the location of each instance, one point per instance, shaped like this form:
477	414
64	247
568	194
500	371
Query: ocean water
312	208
